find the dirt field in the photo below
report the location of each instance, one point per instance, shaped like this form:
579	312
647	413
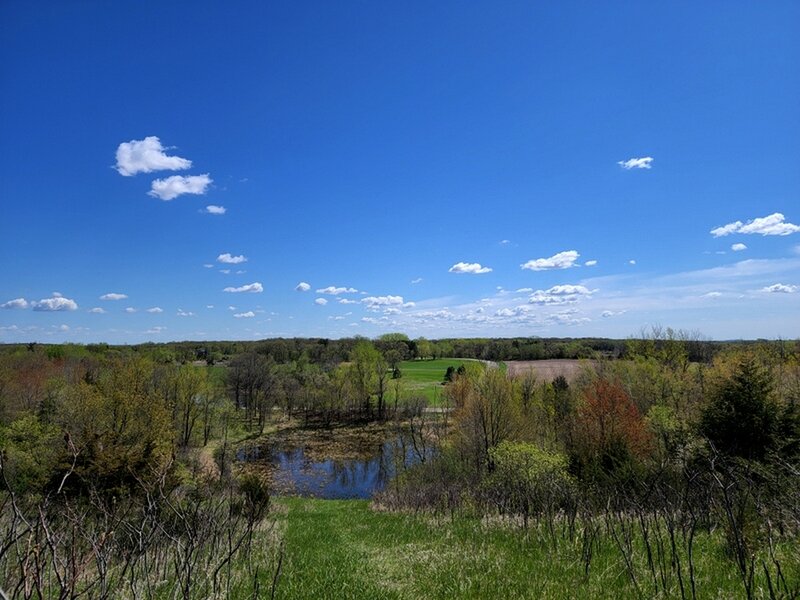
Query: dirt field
547	369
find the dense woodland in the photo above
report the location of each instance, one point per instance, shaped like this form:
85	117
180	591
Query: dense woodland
119	478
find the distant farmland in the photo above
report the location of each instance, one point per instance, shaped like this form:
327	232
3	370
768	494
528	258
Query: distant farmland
425	377
547	370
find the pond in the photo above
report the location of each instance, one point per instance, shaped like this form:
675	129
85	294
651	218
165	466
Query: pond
306	469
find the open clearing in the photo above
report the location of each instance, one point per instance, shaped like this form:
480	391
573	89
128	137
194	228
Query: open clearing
425	377
547	370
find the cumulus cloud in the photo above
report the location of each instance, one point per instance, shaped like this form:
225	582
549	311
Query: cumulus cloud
255	288
774	224
562	260
335	291
631	262
113	296
321	301
245	315
302	287
346	301
229	259
560	294
177	185
644	162
155	310
212	209
55	304
15	303
590	263
184	313
383	302
779	288
738	247
472	268
146	156
97	311
610	313
130	310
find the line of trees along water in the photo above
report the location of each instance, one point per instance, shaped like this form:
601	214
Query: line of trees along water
116	468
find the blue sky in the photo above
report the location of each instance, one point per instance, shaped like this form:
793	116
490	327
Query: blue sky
490	169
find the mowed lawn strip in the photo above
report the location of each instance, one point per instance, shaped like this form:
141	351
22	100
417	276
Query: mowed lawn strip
425	377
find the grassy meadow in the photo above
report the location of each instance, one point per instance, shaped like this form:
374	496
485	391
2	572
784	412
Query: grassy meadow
425	377
346	549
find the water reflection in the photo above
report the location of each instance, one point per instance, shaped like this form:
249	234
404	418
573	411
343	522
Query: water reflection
294	473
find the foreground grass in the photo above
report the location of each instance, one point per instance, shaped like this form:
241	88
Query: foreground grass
344	549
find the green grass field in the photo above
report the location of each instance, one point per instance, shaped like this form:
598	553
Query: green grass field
344	549
425	377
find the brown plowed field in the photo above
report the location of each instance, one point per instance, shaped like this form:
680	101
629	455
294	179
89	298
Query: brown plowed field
547	370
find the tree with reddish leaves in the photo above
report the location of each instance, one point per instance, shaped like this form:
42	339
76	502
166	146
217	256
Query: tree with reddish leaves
610	433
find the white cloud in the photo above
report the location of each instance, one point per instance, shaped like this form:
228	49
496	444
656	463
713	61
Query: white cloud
184	313
335	291
636	163
505	242
610	313
177	185
113	296
738	247
711	295
130	310
55	304
245	315
63	328
774	224
97	311
212	209
780	288
155	309
15	303
146	156
379	302
255	288
229	259
346	301
302	287
560	294
209	306
225	271
472	268
321	301
631	262
562	260
416	281
590	263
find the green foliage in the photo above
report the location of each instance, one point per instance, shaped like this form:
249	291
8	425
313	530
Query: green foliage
31	453
742	418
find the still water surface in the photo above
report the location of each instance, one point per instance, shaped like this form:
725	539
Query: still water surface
294	473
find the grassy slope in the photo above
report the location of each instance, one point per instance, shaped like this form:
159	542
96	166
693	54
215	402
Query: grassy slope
344	549
425	376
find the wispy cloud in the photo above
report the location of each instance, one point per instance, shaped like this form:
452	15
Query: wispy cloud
184	313
177	185
55	304
416	281
97	311
15	303
774	224
113	296
335	291
779	288
155	310
146	156
245	315
562	260
471	268
644	162
229	259
255	288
